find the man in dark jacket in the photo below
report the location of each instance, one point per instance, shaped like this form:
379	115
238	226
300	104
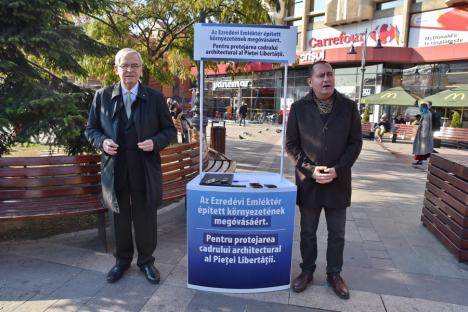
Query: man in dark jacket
242	114
324	139
131	124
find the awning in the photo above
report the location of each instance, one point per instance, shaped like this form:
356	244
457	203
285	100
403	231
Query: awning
453	97
395	96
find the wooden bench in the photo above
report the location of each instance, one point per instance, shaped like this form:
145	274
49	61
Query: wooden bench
180	164
457	135
50	187
405	132
218	162
56	186
445	210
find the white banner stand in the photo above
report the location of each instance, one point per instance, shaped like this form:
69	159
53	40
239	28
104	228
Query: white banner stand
239	237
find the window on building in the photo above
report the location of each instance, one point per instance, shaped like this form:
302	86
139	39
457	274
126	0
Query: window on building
418	1
384	5
298	24
318	5
317	19
296	8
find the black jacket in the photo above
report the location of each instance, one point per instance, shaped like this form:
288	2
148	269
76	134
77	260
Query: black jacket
152	120
337	143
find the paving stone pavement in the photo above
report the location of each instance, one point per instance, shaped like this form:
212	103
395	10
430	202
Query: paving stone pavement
391	262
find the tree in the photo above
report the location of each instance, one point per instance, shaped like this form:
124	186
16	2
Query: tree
39	47
365	116
455	123
163	31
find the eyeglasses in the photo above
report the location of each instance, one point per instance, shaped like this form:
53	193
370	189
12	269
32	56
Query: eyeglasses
127	66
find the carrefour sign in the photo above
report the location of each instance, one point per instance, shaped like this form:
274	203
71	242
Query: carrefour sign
385	29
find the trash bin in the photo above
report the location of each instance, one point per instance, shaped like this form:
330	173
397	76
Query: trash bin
218	138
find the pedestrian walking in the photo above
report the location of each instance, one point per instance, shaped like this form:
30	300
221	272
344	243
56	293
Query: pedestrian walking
242	114
423	144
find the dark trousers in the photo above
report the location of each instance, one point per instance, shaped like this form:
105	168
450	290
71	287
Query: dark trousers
242	118
134	210
336	220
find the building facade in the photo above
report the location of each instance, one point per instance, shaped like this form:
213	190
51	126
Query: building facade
425	46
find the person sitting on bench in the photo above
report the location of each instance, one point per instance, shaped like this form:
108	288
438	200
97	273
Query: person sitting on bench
382	127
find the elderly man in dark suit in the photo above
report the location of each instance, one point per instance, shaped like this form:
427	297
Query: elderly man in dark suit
131	124
324	139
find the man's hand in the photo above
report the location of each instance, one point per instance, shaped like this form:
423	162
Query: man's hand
323	174
110	147
146	145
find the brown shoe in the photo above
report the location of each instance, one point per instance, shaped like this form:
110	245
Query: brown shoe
339	285
301	282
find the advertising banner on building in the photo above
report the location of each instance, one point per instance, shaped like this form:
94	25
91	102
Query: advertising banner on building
310	56
240	241
440	27
387	29
245	43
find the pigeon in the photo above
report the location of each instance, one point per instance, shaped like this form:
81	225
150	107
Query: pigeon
278	130
241	137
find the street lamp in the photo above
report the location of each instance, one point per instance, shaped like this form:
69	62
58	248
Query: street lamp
363	58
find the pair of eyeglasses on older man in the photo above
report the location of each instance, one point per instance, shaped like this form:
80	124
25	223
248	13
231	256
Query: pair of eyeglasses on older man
131	66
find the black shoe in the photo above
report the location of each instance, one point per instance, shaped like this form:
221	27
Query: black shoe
418	163
116	273
339	285
151	274
301	282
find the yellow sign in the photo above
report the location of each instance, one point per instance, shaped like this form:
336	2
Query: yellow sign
454	96
389	95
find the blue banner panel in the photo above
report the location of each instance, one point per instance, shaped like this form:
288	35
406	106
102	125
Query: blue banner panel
239	241
245	43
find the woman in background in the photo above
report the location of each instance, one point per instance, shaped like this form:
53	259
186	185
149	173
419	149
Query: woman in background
423	142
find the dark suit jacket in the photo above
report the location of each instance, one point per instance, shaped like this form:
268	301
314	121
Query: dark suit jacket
337	143
152	120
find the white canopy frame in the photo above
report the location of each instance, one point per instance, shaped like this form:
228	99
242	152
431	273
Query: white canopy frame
281	38
283	132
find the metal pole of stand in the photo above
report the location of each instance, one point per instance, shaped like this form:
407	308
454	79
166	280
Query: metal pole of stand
201	86
285	89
